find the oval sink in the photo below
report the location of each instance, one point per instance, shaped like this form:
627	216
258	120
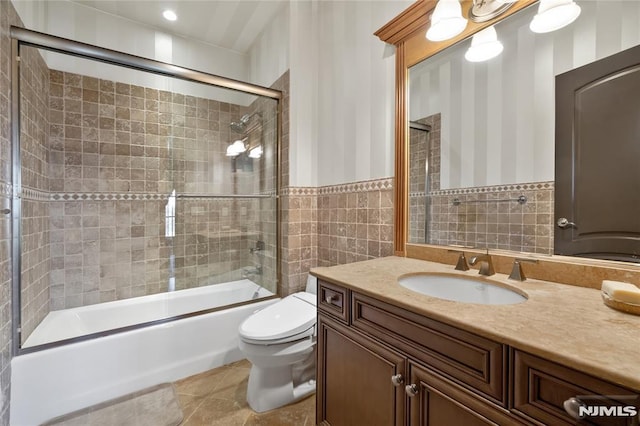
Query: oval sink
461	289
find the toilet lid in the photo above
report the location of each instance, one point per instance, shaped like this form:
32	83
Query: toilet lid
291	315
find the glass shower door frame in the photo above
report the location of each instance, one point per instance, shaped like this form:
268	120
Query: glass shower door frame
22	36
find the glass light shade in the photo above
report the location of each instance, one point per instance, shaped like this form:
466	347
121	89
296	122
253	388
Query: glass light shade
256	152
484	46
553	15
446	21
236	148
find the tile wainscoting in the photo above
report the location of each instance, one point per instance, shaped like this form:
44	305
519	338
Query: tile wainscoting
334	224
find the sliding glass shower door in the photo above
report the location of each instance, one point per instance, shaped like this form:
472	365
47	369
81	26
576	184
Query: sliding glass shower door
139	185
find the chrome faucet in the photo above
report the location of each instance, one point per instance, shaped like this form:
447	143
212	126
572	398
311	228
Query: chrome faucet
486	265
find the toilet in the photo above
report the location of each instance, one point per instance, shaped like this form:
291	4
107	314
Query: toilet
280	343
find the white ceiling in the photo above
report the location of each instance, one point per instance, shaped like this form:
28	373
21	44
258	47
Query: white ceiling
231	24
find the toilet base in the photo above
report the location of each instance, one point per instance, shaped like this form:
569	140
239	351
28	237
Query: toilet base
274	387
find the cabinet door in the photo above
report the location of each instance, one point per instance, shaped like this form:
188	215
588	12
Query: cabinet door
354	379
436	401
541	389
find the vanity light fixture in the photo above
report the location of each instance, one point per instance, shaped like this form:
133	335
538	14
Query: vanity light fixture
484	46
485	10
169	15
553	15
446	21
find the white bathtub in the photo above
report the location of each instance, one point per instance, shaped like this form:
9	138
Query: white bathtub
56	381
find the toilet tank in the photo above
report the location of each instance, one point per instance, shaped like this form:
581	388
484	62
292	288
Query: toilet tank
312	284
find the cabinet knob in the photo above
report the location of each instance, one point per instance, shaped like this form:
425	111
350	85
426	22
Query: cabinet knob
411	390
330	298
397	379
572	407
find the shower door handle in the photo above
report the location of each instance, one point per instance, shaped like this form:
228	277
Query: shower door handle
563	223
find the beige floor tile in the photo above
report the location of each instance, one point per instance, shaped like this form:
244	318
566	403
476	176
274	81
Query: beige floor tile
219	397
299	414
218	412
243	363
201	384
233	386
189	404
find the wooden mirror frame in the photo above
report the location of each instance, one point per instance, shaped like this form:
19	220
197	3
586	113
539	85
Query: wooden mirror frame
407	32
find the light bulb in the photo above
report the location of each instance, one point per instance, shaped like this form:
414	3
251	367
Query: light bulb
256	152
446	21
553	15
484	46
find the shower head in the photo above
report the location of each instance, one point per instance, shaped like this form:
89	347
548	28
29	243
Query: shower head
241	125
237	126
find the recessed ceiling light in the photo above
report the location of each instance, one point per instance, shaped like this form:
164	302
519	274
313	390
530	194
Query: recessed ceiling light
169	15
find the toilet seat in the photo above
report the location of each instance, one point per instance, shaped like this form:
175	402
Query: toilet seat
292	318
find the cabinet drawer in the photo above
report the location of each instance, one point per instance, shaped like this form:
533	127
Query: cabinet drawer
541	387
333	300
473	361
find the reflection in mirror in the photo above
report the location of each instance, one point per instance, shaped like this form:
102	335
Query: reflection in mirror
493	145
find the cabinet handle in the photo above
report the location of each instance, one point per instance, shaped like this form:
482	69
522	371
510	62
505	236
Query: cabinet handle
411	390
397	379
330	298
572	407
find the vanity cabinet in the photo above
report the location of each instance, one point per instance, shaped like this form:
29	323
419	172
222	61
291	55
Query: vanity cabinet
382	365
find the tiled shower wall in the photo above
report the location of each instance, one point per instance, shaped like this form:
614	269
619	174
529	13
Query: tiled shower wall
486	216
117	151
34	123
35	242
7	17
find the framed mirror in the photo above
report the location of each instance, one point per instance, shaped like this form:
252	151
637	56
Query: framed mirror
480	137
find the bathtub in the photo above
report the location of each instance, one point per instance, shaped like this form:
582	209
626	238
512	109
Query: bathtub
55	381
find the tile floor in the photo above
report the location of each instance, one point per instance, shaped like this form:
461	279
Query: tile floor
218	397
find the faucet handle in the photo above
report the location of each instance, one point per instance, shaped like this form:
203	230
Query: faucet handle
462	261
517	273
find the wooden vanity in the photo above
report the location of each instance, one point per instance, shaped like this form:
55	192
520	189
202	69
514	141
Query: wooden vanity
382	362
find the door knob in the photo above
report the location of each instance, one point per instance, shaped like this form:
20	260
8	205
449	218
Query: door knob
397	379
563	222
411	390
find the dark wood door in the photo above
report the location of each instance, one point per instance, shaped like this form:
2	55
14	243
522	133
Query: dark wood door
598	159
439	402
354	379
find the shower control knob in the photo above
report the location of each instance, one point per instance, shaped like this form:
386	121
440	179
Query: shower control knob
411	390
397	379
563	222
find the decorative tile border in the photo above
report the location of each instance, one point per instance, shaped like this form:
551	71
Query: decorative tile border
6	190
105	196
297	191
363	186
417	194
34	194
496	188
